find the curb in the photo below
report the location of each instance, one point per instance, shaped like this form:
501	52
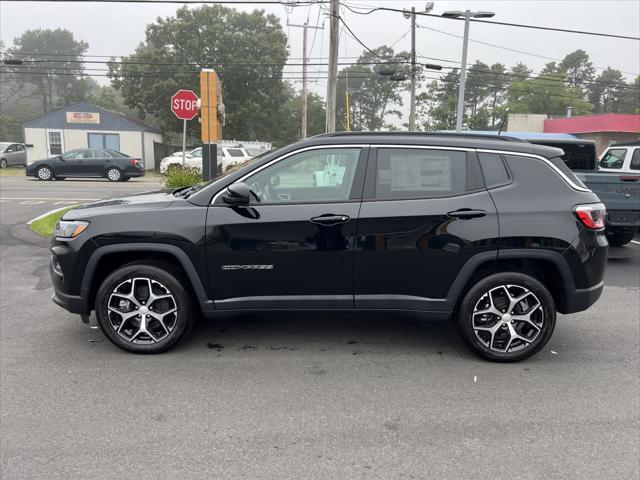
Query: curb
47	213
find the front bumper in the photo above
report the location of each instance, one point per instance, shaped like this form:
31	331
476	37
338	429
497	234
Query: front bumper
623	218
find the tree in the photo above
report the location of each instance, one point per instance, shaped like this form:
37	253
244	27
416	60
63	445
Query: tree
247	49
289	120
438	105
498	81
52	65
372	96
578	68
607	93
546	93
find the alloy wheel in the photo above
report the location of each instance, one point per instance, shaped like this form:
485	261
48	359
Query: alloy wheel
44	173
508	318
142	310
114	174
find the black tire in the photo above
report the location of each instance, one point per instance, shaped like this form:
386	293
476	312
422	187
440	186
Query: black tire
44	173
619	238
518	284
113	174
160	275
3	163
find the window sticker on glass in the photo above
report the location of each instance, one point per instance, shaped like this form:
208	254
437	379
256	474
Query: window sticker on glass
419	172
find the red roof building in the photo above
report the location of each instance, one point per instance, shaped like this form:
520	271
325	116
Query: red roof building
606	129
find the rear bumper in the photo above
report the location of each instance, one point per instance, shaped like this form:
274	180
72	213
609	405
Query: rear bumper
623	218
580	299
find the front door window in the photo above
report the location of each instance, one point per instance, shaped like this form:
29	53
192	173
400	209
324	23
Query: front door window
322	175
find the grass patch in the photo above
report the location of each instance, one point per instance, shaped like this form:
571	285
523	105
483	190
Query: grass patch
45	225
181	177
12	172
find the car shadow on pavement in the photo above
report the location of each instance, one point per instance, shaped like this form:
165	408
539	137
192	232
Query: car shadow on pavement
357	332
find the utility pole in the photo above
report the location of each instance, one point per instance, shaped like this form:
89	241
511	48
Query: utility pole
304	72
467	15
332	81
463	73
412	105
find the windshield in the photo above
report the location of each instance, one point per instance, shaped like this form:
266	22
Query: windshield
3	146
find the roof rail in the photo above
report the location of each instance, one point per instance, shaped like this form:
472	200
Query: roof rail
424	134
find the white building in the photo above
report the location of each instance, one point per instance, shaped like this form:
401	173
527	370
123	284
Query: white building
86	126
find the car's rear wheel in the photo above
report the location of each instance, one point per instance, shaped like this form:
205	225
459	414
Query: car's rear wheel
44	173
114	175
507	317
144	308
3	163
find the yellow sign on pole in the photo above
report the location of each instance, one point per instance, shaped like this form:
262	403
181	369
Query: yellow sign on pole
212	111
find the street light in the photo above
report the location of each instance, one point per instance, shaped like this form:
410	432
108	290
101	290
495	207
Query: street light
467	15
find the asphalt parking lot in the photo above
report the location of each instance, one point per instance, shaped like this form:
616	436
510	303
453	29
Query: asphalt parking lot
304	395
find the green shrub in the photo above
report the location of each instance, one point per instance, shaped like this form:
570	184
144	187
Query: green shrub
46	225
182	177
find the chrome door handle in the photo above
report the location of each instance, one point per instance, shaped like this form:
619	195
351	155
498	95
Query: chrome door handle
467	213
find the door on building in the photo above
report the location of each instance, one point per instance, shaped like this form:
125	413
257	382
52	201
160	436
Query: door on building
99	141
55	142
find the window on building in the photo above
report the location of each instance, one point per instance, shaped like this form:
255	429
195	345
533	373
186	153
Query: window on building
104	140
405	173
55	143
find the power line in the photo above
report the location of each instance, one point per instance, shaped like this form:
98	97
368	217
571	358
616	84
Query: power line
507	48
493	22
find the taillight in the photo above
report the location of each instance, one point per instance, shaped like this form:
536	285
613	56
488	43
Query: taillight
592	215
135	162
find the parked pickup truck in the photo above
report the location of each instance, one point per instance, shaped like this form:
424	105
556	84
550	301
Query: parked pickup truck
619	191
621	158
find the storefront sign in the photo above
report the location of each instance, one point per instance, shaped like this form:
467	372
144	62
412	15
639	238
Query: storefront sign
83	117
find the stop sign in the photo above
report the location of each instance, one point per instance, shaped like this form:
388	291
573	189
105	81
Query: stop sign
184	104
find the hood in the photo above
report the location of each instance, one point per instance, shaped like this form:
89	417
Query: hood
138	201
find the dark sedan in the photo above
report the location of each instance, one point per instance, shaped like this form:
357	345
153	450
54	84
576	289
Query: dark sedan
87	162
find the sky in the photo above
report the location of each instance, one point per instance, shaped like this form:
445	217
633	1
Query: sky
117	28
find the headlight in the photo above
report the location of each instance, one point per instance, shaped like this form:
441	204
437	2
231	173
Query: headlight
66	229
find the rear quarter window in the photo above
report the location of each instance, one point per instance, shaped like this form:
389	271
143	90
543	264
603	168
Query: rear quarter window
635	160
494	170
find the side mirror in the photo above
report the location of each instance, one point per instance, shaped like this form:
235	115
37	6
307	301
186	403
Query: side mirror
237	194
60	158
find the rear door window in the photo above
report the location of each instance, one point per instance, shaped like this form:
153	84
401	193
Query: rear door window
235	152
635	160
411	173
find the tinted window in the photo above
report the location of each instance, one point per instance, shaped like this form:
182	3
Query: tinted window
422	173
313	176
613	158
635	160
493	169
235	152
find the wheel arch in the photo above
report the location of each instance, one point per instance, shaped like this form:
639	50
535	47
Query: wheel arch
107	258
547	266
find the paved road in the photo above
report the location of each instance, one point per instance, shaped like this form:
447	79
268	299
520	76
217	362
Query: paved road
309	396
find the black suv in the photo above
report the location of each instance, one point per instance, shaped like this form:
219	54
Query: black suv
493	232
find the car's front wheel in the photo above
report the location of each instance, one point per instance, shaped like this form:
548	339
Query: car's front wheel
144	308
44	173
114	175
507	317
3	163
620	237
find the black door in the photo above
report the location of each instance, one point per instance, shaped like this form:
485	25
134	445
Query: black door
293	247
425	212
71	163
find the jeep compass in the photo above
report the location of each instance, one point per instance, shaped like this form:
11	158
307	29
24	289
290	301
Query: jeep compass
494	233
